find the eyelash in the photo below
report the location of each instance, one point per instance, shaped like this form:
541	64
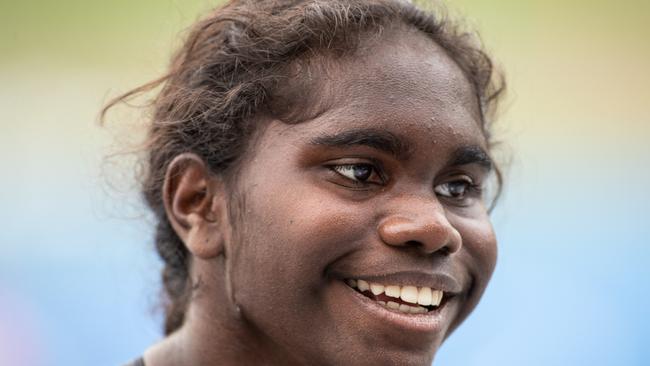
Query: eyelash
471	189
347	171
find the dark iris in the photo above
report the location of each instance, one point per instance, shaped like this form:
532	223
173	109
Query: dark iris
457	189
362	172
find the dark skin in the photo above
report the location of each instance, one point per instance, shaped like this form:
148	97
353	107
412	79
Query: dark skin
380	185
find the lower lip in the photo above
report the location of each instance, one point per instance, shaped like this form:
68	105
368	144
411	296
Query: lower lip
434	321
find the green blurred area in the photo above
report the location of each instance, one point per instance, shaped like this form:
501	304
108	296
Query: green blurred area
108	33
72	33
573	64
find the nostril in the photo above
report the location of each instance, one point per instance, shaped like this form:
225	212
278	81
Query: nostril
416	244
427	234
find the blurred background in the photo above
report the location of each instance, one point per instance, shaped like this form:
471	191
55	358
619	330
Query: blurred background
78	273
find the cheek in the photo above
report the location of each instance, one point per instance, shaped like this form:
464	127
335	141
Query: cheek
287	239
476	259
479	248
300	231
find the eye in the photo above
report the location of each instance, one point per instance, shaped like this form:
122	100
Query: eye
361	173
457	189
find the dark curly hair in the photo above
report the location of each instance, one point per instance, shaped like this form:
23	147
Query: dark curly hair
229	70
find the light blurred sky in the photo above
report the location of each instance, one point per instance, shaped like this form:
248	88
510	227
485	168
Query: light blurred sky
78	275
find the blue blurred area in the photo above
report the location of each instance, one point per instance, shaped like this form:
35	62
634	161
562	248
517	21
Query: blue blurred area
86	281
571	286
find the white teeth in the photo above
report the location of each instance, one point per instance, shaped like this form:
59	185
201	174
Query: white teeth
403	308
409	294
376	288
424	296
406	308
363	285
393	291
392	305
437	298
418	310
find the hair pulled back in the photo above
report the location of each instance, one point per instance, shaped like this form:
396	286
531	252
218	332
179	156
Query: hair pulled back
229	69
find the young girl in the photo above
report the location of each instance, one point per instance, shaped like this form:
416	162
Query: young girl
316	168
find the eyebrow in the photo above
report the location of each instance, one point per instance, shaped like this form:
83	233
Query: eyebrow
471	155
397	147
378	139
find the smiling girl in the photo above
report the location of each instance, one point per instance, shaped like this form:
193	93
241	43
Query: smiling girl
316	169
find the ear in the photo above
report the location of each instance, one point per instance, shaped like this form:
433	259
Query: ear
195	205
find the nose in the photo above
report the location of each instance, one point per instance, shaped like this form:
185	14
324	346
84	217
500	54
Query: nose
420	223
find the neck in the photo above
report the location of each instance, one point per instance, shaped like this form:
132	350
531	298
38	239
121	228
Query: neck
215	331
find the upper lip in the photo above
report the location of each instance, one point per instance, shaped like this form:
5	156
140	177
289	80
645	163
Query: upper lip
435	280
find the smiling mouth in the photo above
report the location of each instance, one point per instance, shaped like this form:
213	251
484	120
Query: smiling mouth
403	299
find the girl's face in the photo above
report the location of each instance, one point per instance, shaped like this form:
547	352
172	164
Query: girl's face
382	186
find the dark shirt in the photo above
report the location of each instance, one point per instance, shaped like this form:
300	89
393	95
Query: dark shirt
138	362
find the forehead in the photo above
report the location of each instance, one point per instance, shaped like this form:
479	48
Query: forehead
402	65
400	80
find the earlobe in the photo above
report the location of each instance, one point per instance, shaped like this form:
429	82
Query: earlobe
203	240
193	203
